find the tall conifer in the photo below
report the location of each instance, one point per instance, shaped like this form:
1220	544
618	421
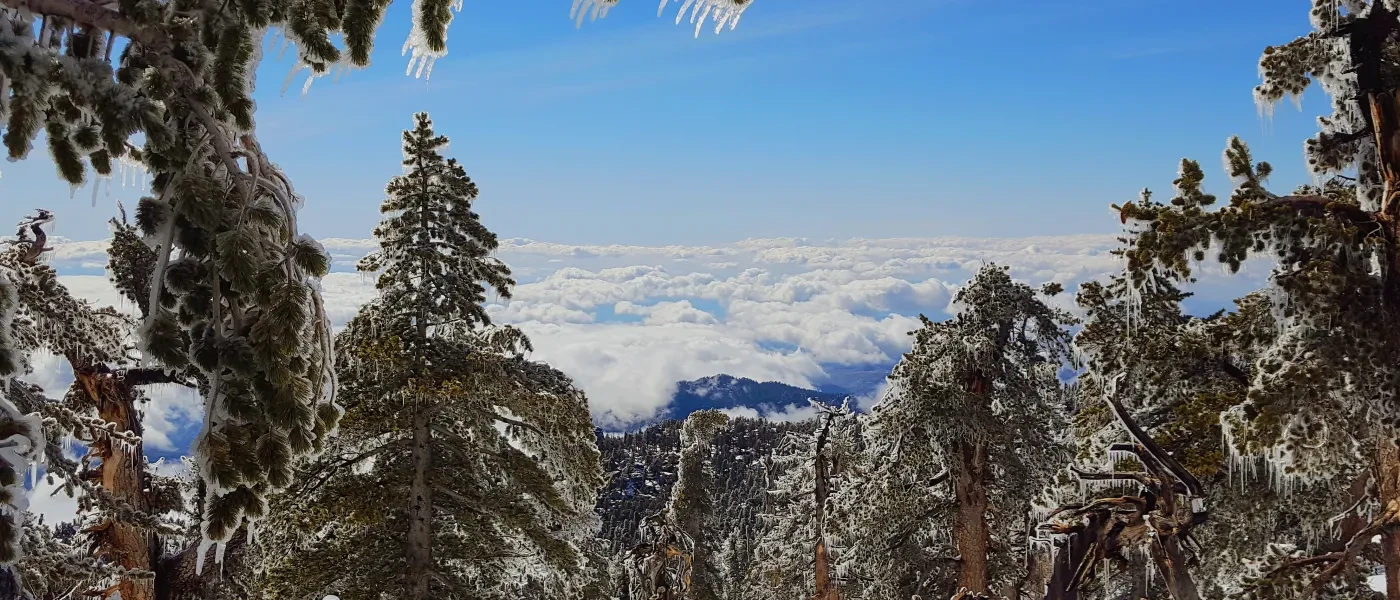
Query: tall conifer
462	469
966	436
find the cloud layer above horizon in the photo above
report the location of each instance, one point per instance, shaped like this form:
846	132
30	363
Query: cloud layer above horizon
628	322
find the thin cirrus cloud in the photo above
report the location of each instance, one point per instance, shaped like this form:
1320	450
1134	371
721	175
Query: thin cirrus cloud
629	322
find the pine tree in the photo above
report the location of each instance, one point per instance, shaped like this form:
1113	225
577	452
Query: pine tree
1322	407
1173	376
23	445
677	556
693	502
797	537
976	405
462	469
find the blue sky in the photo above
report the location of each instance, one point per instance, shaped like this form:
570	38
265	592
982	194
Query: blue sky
817	118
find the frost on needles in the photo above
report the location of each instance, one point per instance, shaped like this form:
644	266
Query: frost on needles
1319	418
461	468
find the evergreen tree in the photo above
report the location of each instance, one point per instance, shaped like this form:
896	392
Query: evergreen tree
1173	375
975	404
462	469
1322	406
677	558
693	502
793	556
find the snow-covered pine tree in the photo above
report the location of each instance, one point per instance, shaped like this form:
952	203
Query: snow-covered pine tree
677	556
693	503
23	446
976	404
1178	375
1172	375
1322	407
794	543
462	469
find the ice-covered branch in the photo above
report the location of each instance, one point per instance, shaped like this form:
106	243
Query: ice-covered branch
89	13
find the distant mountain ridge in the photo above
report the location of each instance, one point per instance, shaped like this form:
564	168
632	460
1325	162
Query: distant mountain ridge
729	392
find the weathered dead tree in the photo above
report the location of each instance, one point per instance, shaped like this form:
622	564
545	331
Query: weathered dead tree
1158	518
824	469
659	568
113	473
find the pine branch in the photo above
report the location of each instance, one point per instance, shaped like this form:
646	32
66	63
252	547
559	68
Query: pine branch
88	13
510	421
1322	206
152	376
1338	561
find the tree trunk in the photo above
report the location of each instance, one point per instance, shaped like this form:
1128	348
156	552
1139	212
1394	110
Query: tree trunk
970	531
179	578
420	512
826	590
1388	476
122	473
1039	569
1066	562
1172	562
10	584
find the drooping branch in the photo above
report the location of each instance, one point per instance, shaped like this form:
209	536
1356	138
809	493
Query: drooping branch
1323	207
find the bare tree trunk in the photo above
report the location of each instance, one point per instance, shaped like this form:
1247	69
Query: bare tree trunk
970	531
1172	562
1388	476
121	473
420	512
826	590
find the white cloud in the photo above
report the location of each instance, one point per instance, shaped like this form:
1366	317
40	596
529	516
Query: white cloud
171	409
628	322
47	500
663	313
780	414
630	370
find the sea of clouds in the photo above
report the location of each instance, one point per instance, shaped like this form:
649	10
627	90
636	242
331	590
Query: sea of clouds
629	322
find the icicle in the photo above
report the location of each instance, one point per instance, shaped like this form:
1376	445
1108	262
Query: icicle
296	68
219	549
200	554
681	14
701	22
416	44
